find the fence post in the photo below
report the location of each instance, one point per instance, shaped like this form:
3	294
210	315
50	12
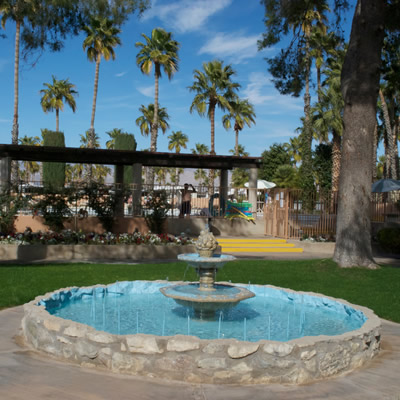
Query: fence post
119	184
223	191
137	189
253	190
286	213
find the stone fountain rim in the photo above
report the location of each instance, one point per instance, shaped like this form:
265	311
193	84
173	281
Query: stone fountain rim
372	320
61	333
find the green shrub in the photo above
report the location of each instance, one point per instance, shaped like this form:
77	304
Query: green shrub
53	172
157	206
389	239
126	141
53	207
9	206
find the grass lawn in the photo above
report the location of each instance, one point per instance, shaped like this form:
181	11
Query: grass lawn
376	289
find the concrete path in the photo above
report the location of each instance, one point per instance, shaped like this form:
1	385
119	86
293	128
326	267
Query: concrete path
25	374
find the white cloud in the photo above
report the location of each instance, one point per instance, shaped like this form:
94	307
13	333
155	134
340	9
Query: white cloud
186	15
257	87
4	120
121	74
147	91
234	46
261	91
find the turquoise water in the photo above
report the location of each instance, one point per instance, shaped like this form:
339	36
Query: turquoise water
139	307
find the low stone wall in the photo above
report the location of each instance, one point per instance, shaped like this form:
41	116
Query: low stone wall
190	359
81	252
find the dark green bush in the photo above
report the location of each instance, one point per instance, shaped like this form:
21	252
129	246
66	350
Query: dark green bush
389	239
53	207
53	172
9	206
157	207
126	141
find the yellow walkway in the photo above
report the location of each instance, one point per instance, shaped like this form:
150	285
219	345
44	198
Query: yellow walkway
240	245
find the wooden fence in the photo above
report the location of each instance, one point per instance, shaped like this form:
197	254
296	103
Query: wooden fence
288	214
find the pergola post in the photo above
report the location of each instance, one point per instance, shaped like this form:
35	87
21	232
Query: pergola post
223	190
119	185
253	190
137	189
5	173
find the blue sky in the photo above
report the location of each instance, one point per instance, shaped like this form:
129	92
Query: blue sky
207	30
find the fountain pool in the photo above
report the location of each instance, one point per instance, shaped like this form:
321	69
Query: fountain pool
277	336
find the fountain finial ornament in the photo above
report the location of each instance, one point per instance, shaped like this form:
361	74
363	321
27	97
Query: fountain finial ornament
206	243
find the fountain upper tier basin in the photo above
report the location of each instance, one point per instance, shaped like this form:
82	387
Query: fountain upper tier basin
214	262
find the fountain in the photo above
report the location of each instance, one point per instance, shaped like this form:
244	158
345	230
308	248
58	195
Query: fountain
203	332
206	297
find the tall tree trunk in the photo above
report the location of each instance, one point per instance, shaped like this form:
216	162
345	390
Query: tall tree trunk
95	90
360	86
390	156
374	151
154	125
336	143
15	129
57	120
212	150
306	170
236	141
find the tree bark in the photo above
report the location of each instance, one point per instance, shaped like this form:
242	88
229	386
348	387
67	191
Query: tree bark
57	119
95	90
336	154
15	128
212	150
360	86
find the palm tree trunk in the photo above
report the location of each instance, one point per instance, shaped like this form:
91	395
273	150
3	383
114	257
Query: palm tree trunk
336	141
95	90
57	119
15	133
237	142
390	156
212	172
154	126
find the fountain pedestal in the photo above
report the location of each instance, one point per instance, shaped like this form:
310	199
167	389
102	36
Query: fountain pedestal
206	297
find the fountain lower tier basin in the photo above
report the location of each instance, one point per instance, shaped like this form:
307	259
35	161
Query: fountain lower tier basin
264	349
205	303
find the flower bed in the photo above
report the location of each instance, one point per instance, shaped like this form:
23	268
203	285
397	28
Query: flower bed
70	237
74	246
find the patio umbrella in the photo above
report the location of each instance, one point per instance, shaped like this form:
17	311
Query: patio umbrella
262	184
385	185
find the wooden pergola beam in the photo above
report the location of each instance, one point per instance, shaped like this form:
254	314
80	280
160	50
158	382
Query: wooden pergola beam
124	157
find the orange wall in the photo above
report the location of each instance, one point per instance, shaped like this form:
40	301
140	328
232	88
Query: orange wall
87	225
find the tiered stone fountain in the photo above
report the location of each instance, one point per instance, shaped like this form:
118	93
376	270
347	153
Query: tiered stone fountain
206	297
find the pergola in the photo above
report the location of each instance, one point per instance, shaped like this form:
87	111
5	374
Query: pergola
137	159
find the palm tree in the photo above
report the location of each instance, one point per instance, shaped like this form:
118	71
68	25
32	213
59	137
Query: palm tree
200	175
54	96
145	121
327	114
162	51
239	151
294	150
102	37
30	167
113	134
177	141
214	88
241	113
